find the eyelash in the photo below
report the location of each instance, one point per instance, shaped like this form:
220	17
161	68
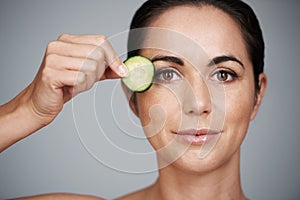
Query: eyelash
160	73
232	75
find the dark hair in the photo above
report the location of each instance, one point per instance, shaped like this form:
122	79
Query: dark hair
237	9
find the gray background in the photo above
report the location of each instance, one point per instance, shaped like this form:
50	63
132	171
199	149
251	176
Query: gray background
55	158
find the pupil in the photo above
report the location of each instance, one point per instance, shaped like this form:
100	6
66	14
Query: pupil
222	76
168	75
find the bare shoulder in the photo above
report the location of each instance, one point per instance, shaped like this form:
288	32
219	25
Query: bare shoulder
141	194
133	196
60	197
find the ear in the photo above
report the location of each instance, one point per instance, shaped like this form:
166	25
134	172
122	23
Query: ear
131	97
262	81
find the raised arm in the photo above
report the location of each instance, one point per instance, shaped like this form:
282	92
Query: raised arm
72	64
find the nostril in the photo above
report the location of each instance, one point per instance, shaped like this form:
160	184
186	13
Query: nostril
194	108
191	112
196	99
206	111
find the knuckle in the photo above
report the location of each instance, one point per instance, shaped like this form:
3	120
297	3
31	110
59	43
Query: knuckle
80	78
89	86
63	36
91	65
52	46
50	59
98	53
84	81
100	39
91	81
47	75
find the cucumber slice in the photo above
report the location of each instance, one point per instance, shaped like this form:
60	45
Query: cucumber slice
140	73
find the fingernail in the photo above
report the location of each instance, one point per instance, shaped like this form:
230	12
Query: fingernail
123	70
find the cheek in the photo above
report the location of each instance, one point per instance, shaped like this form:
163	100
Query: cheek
239	106
159	112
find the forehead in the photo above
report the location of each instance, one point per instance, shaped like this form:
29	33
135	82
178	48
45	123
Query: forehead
212	29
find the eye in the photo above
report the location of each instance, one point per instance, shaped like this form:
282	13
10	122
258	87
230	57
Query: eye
224	76
167	75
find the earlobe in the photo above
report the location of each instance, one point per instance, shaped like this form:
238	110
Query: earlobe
259	96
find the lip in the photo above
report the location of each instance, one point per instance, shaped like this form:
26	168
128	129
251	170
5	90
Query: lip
197	136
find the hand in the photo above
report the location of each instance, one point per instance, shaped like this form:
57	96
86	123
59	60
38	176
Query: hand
72	64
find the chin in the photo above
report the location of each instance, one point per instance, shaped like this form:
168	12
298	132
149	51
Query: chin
190	160
194	158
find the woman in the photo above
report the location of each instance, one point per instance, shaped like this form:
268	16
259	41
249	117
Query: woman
207	102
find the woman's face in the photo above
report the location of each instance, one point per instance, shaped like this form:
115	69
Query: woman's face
196	117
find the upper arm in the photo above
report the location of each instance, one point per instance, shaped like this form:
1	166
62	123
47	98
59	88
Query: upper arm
61	197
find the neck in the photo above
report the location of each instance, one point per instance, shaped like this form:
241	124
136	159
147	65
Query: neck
221	183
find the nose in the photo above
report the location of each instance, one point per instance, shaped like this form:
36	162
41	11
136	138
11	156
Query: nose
197	98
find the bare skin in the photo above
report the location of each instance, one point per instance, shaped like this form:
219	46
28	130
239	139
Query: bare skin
214	177
217	176
60	197
72	64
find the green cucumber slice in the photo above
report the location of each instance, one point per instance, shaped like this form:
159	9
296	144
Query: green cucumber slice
140	73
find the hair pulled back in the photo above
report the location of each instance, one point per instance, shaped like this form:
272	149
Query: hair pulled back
242	14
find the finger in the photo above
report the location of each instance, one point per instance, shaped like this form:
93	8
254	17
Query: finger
68	93
113	60
56	79
75	50
109	74
70	82
91	39
69	63
111	57
92	69
81	51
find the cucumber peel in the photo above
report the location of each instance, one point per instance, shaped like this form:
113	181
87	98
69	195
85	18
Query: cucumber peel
140	73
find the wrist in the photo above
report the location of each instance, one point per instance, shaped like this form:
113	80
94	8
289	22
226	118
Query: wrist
17	120
26	108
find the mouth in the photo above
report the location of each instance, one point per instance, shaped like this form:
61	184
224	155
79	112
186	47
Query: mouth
197	136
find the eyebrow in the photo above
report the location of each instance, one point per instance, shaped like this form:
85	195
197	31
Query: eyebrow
172	59
220	59
214	61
